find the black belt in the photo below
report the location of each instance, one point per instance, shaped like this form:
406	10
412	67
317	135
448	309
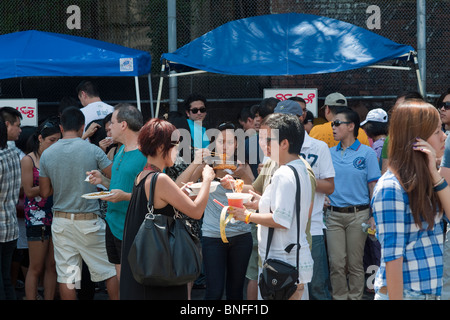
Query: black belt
350	209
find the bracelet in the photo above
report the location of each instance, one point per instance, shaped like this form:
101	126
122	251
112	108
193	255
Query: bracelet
247	217
440	186
439	182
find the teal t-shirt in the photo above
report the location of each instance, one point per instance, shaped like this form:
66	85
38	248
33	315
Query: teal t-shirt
126	166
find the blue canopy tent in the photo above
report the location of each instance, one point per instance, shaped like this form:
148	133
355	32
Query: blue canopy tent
36	53
284	44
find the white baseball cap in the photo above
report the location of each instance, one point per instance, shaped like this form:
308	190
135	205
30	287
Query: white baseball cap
376	115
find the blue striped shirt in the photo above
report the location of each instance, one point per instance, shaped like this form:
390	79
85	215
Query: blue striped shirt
400	237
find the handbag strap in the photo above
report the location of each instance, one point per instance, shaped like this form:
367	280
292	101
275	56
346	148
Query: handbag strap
297	205
151	193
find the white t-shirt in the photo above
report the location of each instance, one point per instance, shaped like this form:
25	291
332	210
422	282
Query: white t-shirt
95	111
318	155
279	198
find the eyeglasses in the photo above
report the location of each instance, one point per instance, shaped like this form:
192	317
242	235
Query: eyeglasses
445	105
337	123
175	143
196	110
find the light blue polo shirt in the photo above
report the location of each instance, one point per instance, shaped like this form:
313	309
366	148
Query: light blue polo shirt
198	134
355	167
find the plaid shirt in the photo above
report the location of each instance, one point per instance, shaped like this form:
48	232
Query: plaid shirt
10	179
421	249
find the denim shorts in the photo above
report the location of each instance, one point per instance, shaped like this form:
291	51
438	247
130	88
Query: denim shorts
408	295
38	233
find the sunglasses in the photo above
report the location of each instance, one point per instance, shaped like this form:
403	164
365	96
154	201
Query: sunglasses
337	123
268	140
196	110
445	105
51	123
226	125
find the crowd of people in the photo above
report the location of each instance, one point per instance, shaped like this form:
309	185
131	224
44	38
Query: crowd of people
386	169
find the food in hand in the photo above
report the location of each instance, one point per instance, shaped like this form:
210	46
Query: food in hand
223	165
238	185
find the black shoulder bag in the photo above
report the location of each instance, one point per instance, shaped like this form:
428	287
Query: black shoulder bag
278	279
164	251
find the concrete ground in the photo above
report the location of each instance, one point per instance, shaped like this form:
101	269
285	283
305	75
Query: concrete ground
196	294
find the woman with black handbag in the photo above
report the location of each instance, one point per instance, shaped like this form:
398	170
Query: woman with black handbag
158	141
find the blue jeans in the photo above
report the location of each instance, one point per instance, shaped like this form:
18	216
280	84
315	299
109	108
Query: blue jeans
7	291
320	287
408	295
225	265
446	274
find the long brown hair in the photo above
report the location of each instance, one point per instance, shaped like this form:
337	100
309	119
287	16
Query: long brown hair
410	120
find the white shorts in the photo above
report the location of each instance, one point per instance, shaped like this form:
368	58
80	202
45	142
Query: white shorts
77	240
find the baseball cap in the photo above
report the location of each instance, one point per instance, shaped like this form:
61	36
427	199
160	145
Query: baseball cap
335	99
376	115
288	107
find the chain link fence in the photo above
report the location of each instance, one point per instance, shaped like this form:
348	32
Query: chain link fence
142	24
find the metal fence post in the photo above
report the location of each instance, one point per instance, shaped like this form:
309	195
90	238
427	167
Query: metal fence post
421	44
172	46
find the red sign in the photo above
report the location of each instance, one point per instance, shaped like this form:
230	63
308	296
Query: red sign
27	107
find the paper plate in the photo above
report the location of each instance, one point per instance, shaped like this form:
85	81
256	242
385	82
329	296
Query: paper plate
97	195
195	187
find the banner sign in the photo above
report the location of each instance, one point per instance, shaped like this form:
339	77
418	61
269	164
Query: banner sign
27	107
309	95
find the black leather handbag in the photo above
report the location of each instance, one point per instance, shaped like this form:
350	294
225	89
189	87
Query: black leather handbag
164	251
278	279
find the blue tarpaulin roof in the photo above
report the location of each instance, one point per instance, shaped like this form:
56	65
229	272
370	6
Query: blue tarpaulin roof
286	44
36	53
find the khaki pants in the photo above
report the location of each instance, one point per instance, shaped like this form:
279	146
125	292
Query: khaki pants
345	242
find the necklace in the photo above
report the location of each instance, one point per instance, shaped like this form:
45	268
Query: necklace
150	166
120	161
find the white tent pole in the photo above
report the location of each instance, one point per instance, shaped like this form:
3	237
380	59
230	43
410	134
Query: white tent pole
185	73
159	90
389	67
151	94
419	78
138	95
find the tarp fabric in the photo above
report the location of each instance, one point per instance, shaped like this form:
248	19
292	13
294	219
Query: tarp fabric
36	53
286	44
